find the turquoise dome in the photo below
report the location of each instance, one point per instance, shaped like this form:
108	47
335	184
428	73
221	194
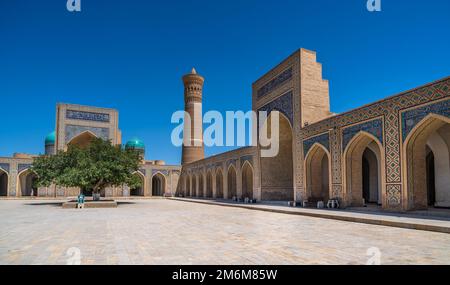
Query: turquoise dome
50	138
135	144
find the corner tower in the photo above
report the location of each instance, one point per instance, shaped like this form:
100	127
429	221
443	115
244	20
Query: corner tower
193	149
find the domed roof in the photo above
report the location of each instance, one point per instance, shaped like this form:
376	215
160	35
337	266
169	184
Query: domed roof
50	138
135	143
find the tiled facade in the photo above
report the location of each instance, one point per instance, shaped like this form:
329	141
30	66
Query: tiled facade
295	88
73	121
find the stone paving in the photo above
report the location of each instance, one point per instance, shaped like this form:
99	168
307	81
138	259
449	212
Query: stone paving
164	231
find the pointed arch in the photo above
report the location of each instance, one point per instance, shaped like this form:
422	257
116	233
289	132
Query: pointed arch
219	183
26	183
209	184
247	180
277	173
231	182
357	170
194	189
4	182
83	139
158	184
426	165
139	190
201	184
317	173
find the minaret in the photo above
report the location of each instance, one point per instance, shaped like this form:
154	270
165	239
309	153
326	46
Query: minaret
193	146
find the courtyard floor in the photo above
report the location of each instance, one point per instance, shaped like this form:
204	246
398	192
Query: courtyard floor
161	231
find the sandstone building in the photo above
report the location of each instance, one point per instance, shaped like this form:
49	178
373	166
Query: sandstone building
78	125
394	153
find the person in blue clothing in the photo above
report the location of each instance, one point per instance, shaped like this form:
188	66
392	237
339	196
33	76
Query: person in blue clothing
80	201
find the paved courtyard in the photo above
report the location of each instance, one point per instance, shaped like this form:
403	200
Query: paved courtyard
173	232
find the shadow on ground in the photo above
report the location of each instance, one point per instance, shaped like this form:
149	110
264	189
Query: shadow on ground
54	204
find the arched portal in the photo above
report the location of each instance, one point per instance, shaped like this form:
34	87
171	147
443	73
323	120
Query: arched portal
219	184
82	140
200	185
428	164
317	174
209	185
186	186
189	187
158	185
3	183
247	181
26	183
277	172
364	169
139	190
194	189
231	181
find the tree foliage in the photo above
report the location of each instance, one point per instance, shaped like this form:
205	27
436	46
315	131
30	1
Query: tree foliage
95	167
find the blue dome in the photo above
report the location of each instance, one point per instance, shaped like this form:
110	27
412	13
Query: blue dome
135	144
50	138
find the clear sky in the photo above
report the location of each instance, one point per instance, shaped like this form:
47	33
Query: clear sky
131	55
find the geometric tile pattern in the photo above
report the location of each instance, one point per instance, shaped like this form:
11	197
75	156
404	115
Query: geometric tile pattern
323	139
389	109
165	172
73	131
22	167
87	116
248	158
412	117
275	83
393	192
374	127
282	104
5	167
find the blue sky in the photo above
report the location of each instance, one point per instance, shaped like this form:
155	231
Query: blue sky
131	55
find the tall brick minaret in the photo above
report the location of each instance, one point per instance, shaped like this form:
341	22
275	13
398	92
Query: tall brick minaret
193	147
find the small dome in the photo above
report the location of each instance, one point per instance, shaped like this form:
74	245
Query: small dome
50	138
135	144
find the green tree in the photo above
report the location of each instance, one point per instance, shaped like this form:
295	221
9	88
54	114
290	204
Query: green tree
95	167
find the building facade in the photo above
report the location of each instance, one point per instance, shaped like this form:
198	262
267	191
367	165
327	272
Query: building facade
78	125
393	153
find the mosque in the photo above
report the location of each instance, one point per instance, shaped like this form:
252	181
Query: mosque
393	154
78	125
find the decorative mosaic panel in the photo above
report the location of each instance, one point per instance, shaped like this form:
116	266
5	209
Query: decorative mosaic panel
164	172
5	167
22	167
393	194
87	116
335	138
412	117
336	191
232	161
248	158
275	83
73	131
143	171
282	104
374	127
323	139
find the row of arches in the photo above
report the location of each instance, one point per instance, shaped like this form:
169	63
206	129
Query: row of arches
25	183
225	186
158	185
425	166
